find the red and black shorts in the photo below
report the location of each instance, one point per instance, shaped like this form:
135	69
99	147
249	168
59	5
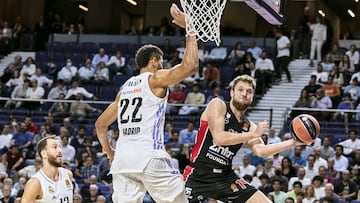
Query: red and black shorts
203	183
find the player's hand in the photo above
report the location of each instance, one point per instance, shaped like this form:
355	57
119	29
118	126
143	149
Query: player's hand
261	128
178	16
109	154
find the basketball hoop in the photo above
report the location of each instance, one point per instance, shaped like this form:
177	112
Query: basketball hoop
203	18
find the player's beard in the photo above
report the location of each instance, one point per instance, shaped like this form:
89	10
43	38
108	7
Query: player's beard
240	106
54	162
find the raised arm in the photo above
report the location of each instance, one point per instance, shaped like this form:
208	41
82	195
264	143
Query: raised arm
214	114
190	62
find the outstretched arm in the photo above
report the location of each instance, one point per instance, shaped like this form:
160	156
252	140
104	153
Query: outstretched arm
258	147
102	124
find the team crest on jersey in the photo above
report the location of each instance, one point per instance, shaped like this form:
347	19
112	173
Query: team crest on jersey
234	188
67	183
227	118
246	127
51	190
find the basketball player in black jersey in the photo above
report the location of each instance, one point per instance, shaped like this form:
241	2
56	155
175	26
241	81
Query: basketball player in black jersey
223	129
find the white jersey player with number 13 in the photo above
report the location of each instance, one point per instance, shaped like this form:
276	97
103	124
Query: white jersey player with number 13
140	162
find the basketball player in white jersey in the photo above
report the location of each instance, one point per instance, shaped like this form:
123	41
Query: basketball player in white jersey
51	183
140	162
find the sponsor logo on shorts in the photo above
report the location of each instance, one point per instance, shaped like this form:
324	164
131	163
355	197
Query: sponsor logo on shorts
234	188
188	192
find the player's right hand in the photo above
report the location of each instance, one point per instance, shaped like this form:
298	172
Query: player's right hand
178	16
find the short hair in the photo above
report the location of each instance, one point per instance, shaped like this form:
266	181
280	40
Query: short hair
319	178
244	78
301	193
353	131
341	147
290	198
145	54
43	142
297	183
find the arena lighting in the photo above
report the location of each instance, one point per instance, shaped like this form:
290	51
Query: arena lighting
356	1
133	2
351	13
321	12
84	8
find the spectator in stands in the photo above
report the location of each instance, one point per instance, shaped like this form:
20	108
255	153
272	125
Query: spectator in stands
176	96
11	68
332	175
332	90
13	160
78	140
22	139
30	125
240	70
347	68
317	40
265	187
304	101
321	101
59	110
313	86
5	139
17	32
68	72
354	90
296	188
266	66
218	54
353	54
254	50
101	76
283	54
87	148
355	76
328	65
101	56
55	92
346	104
352	144
276	160
319	161
211	76
68	125
34	92
330	196
50	126
327	150
14	81
357	116
236	55
184	156
341	163
80	111
167	49
300	177
188	134
40	134
337	75
115	136
319	189
41	34
203	53
272	137
51	69
345	187
116	64
321	75
89	169
76	89
287	168
310	170
297	159
86	72
18	92
6	42
278	194
6	193
309	194
247	59
192	98
68	151
335	54
28	68
41	79
246	168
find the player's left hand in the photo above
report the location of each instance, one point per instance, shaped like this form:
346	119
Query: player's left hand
178	16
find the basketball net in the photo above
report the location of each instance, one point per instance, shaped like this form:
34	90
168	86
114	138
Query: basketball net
203	18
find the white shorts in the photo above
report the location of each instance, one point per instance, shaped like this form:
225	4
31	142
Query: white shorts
164	183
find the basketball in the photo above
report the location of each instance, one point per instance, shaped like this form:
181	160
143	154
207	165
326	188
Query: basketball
304	128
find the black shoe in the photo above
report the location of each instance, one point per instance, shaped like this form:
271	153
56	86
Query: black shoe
311	64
